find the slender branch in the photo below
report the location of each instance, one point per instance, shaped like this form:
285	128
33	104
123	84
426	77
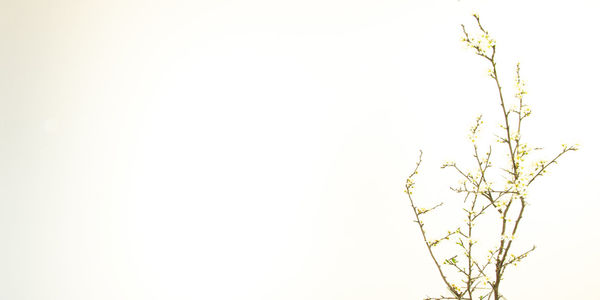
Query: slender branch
553	161
409	186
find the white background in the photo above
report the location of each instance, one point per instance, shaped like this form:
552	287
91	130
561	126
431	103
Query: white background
257	149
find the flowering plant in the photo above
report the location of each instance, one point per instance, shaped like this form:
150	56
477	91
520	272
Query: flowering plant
467	275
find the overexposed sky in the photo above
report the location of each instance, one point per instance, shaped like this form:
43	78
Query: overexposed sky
257	149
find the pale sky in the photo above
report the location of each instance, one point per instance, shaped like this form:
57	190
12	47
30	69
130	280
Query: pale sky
257	149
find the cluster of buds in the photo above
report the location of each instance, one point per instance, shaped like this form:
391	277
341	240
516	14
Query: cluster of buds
482	44
507	237
448	164
570	148
519	84
410	184
474	131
